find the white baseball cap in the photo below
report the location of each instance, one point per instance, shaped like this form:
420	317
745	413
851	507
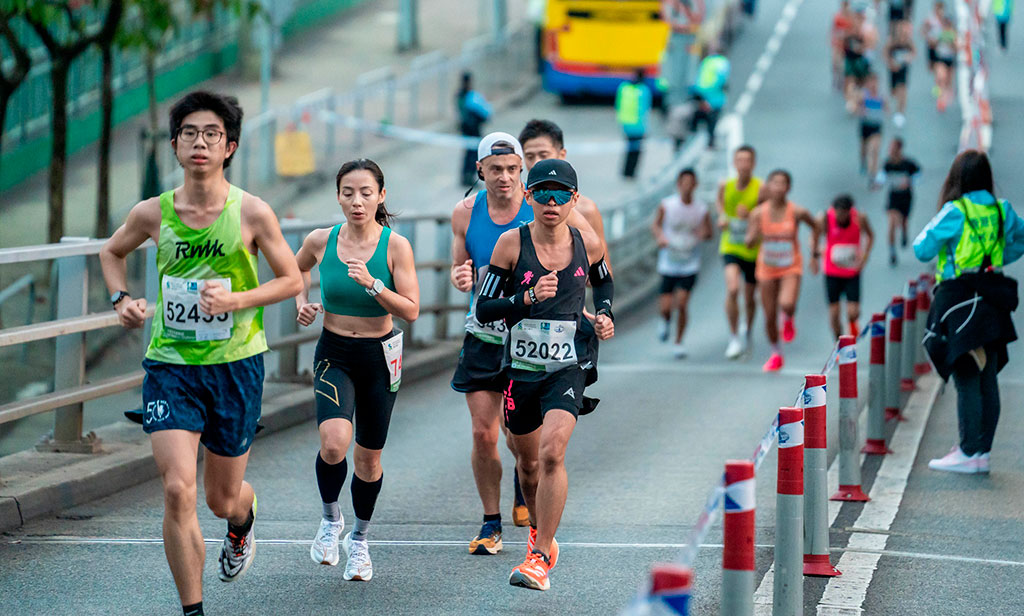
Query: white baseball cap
495	143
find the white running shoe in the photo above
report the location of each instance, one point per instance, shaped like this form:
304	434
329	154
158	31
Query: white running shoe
324	550
735	348
359	567
982	460
236	553
956	461
663	331
898	120
679	351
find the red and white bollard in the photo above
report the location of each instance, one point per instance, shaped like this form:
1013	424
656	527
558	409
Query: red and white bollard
849	461
893	356
924	304
816	549
788	599
738	531
876	389
910	340
671	585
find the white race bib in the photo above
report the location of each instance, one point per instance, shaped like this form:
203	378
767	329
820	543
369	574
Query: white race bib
543	346
777	253
183	320
494	332
393	357
737	230
845	255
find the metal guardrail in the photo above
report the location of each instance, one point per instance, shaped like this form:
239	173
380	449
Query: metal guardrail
422	95
629	241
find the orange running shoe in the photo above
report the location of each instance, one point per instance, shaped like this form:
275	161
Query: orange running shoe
553	557
788	330
533	573
774	363
520	515
854	329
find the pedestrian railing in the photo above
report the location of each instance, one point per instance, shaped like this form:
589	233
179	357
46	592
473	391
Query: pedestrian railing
442	307
801	514
422	95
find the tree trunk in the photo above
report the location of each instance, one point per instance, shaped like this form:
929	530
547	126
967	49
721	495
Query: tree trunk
59	68
107	119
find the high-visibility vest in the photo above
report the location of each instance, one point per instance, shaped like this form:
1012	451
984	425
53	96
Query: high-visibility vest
982	239
627	104
711	70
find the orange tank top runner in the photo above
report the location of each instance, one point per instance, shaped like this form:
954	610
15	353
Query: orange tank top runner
780	247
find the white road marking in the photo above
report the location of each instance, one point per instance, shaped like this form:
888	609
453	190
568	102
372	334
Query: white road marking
764	62
75	540
845	595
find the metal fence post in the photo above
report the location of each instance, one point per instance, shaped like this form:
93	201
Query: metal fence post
442	249
288	357
358	110
152	290
69	363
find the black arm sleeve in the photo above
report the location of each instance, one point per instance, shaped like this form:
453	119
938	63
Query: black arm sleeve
604	288
491	306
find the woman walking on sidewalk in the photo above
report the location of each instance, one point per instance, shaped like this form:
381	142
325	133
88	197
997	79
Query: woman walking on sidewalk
974	235
367	274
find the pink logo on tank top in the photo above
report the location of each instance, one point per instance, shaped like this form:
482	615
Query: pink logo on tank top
579	272
527	277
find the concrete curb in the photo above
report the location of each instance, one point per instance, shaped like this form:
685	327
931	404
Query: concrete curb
128	460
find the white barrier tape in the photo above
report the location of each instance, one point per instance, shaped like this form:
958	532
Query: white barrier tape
814	396
767	441
708	516
740	496
426	137
791	435
848	355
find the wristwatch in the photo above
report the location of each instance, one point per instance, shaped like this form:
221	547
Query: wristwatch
377	287
117	297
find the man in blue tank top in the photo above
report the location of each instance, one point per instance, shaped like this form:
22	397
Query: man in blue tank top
477	222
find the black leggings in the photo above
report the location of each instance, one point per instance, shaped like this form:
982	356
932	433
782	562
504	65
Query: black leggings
350	380
977	394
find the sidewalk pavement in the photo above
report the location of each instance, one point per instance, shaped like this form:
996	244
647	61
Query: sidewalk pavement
330	55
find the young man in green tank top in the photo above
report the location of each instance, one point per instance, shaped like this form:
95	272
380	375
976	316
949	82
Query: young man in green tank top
204	365
737	197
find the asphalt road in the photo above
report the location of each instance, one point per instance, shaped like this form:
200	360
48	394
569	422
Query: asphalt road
639	467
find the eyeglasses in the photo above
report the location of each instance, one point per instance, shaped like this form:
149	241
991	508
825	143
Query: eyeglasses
210	135
545	196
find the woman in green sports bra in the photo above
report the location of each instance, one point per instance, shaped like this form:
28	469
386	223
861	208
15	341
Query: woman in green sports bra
367	274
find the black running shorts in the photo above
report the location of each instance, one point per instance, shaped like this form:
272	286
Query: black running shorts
351	382
836	287
747	267
671	283
527	402
480	367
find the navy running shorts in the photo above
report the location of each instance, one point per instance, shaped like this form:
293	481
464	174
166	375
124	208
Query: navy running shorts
222	402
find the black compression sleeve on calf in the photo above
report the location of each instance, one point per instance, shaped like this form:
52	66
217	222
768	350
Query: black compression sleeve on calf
604	287
491	306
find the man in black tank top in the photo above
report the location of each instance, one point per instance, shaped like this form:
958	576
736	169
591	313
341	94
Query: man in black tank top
543	268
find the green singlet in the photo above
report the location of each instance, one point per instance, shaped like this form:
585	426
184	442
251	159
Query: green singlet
733	240
186	258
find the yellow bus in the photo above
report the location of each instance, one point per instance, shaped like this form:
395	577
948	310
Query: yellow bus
590	46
